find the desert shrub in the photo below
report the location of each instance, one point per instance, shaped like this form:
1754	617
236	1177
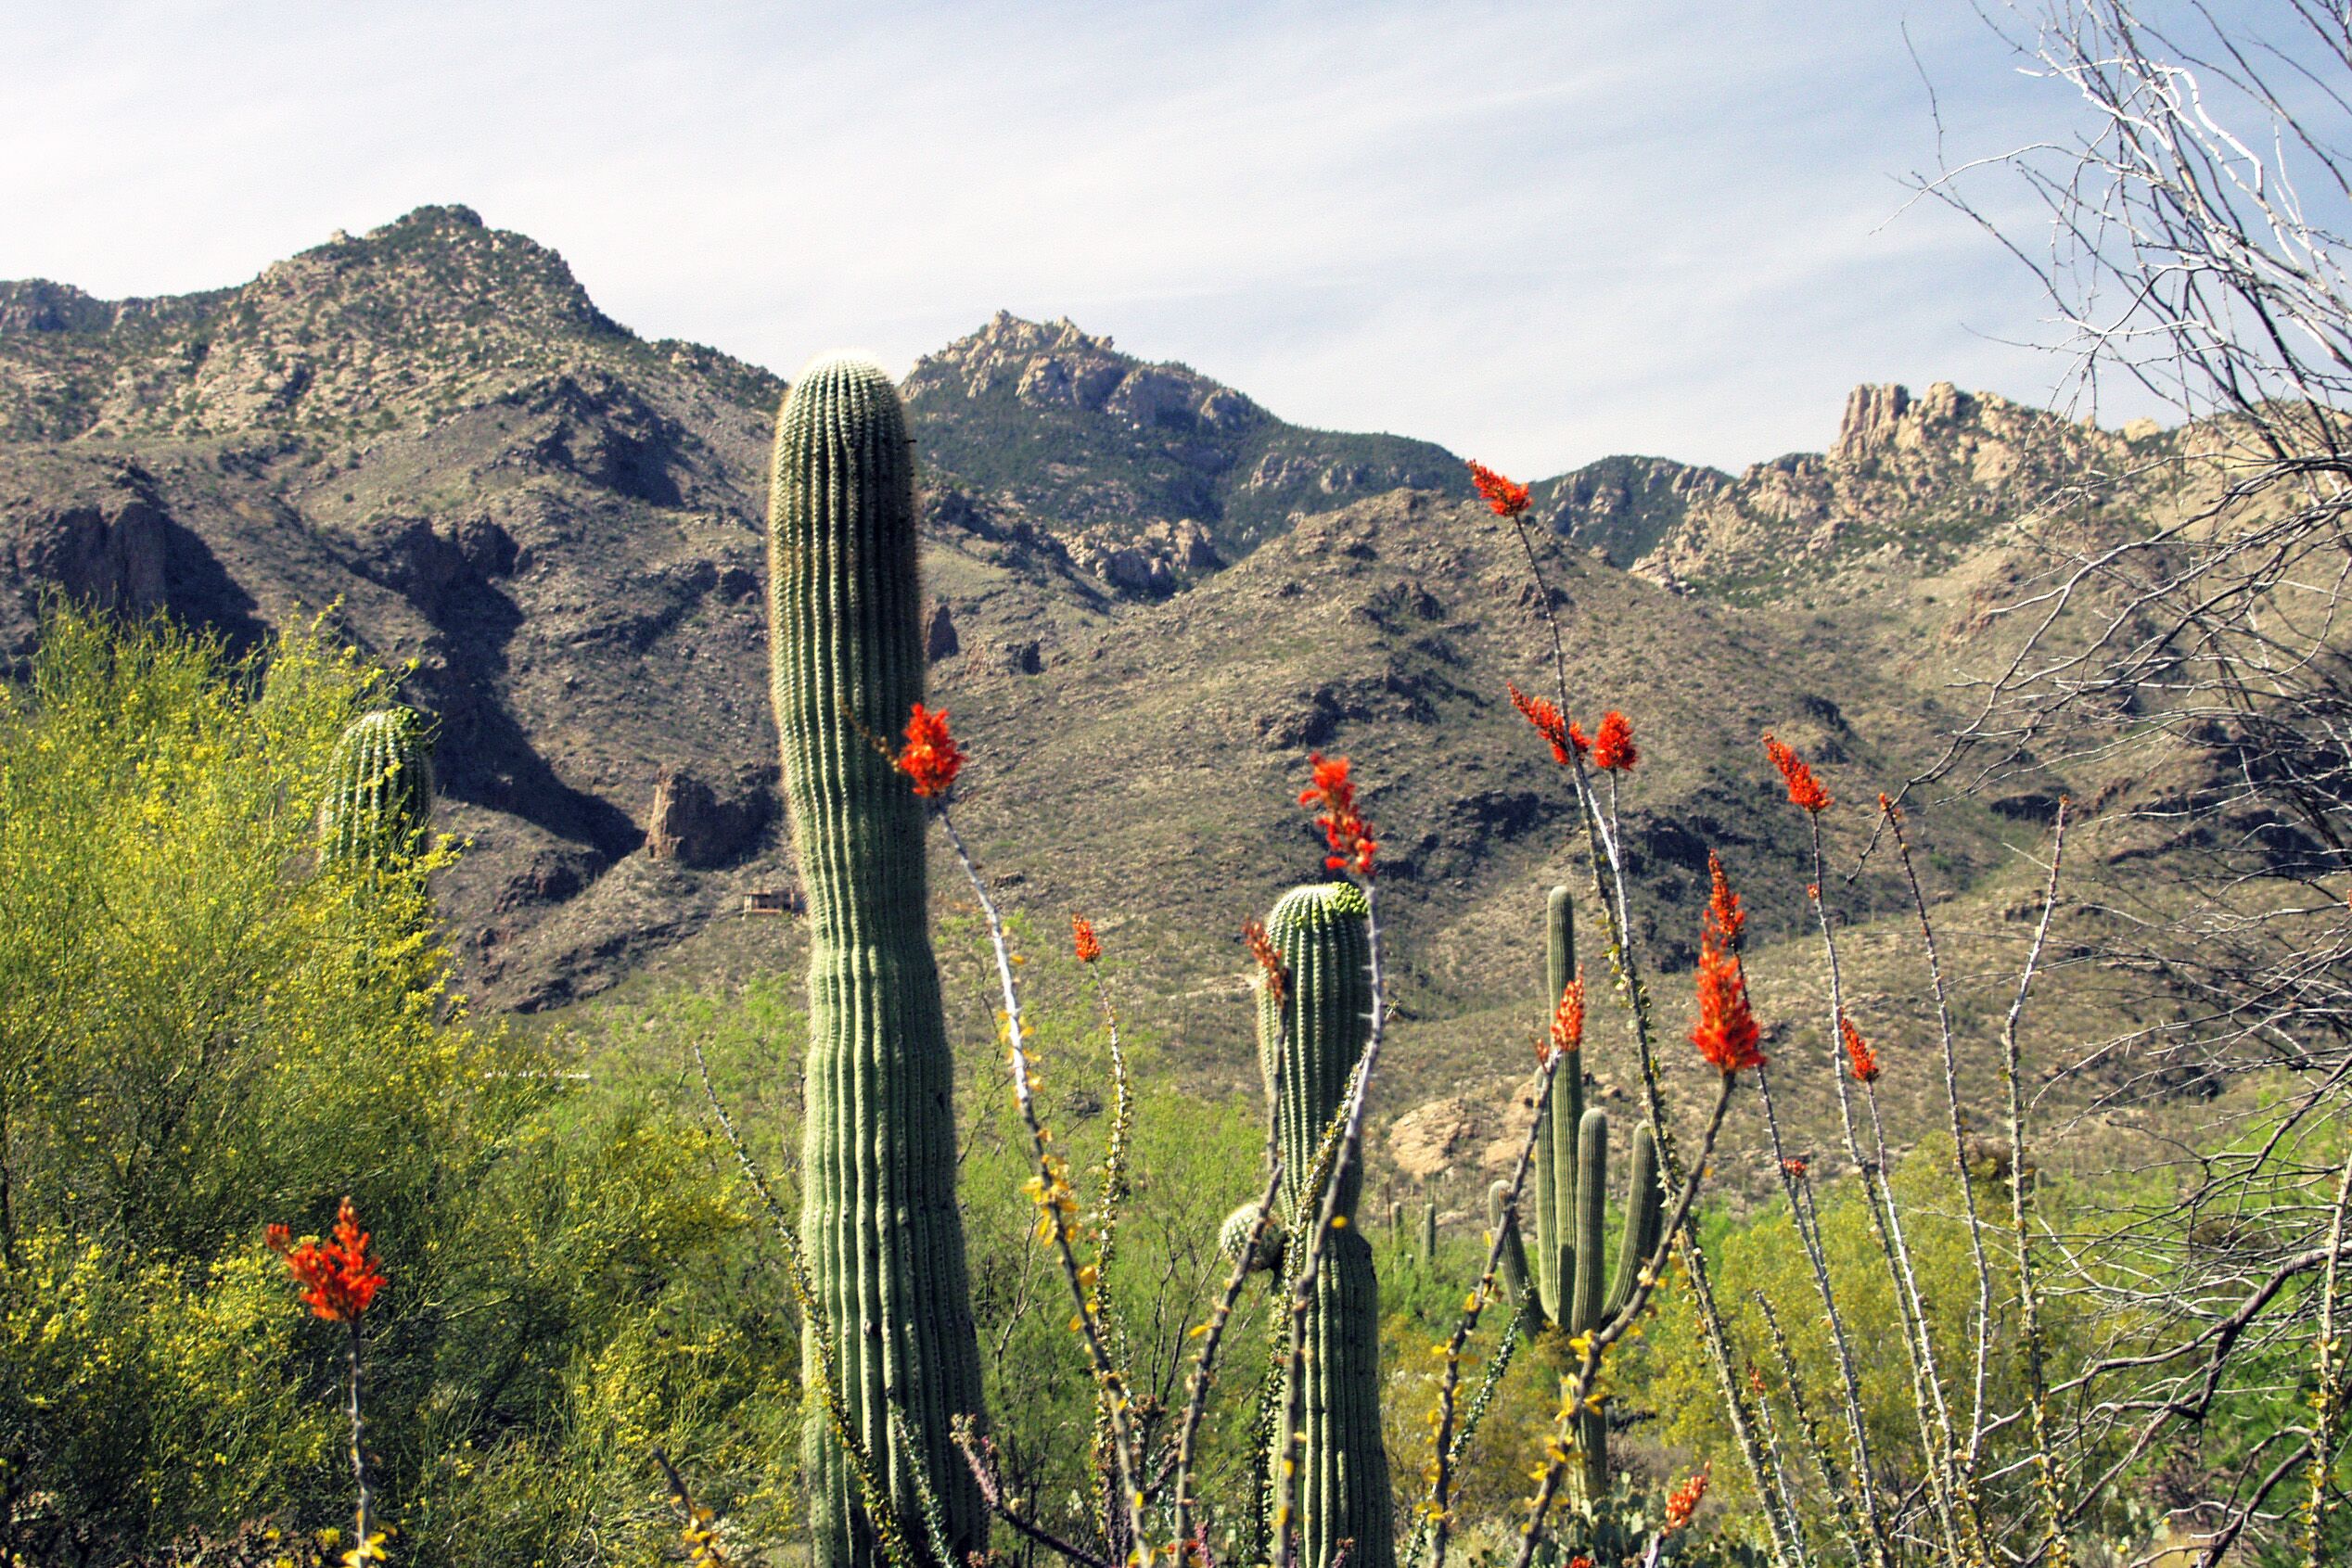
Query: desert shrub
200	1032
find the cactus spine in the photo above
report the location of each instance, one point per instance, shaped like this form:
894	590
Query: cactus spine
380	790
1342	1479
879	1218
1568	1269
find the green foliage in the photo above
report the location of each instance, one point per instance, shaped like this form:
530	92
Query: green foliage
878	1216
199	1035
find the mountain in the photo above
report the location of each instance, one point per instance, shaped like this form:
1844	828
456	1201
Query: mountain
1151	596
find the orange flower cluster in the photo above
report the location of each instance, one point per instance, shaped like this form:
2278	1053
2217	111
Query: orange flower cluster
1859	1057
1725	919
1613	743
1082	938
1344	827
1805	791
1567	1022
338	1277
1726	1033
1794	1166
931	757
1547	723
1579	1561
1262	948
1507	499
1683	1502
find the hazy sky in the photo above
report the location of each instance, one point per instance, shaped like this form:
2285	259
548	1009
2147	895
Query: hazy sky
1538	232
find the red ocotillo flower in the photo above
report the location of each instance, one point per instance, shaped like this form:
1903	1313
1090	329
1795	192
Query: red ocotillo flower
1683	1502
1860	1058
338	1277
1892	812
1568	1021
1547	723
1794	1166
1344	827
1613	749
1507	499
1269	957
1725	919
1804	792
1726	1032
1082	940
930	756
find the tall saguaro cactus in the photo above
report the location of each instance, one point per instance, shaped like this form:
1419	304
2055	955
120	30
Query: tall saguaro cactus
1573	1288
379	789
879	1218
1341	1487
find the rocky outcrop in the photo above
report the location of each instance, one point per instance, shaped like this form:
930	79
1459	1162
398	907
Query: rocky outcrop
694	824
98	533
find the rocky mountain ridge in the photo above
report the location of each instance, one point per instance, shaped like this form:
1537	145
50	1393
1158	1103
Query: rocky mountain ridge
433	430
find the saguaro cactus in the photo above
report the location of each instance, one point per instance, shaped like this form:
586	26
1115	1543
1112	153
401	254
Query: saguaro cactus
379	789
878	1219
1567	1271
1342	1479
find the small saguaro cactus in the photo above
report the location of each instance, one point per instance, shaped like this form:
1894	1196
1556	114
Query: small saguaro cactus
1429	1228
879	1222
379	789
1320	1030
1569	1270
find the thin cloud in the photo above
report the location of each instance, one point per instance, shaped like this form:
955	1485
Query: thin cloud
1530	235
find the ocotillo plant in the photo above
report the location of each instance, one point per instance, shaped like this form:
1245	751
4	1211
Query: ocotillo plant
878	1219
1320	1030
379	789
1573	1289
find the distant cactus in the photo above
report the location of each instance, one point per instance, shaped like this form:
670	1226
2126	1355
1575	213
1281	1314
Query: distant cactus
1342	1492
1429	1228
878	1216
380	790
1568	1269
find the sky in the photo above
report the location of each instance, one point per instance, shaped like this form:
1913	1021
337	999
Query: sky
1538	234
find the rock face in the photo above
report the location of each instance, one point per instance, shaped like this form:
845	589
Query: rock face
1114	456
689	823
96	532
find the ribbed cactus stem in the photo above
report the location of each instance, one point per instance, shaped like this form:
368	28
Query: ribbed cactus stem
1429	1228
1554	1160
1512	1271
1341	1490
380	790
879	1216
1644	1218
1584	1309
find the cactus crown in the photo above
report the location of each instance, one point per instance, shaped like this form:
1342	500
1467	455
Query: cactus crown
379	789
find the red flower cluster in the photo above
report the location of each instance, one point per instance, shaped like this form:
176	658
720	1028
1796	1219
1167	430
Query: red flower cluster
1794	1166
931	757
1547	723
1567	1022
1082	938
1683	1502
1613	743
1726	1033
1725	919
1859	1057
1344	827
1262	948
338	1277
1804	792
1507	499
1579	1561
